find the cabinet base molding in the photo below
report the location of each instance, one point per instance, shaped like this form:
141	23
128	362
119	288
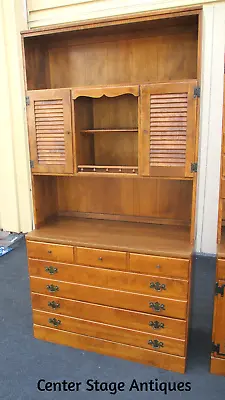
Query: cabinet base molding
217	366
131	353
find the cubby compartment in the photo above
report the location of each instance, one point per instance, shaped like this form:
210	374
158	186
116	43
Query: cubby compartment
106	132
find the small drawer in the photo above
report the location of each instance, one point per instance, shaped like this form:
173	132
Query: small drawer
110	332
110	279
160	266
49	251
220	269
101	258
154	324
110	297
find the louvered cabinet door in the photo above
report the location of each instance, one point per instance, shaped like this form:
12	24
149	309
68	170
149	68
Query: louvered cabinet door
168	129
50	130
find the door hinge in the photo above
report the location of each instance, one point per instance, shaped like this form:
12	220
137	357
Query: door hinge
31	164
219	289
216	349
194	167
27	100
197	92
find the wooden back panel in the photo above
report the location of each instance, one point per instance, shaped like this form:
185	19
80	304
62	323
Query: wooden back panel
153	200
156	53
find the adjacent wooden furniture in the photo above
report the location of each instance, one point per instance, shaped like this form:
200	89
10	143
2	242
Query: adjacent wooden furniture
218	340
112	110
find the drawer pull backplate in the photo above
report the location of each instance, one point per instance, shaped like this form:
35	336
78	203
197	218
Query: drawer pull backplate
155	344
53	304
51	270
54	321
156	306
157	286
52	288
156	325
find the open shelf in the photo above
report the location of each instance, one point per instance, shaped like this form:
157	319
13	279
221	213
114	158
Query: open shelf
169	240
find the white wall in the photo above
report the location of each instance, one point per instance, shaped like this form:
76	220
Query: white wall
15	199
47	12
210	126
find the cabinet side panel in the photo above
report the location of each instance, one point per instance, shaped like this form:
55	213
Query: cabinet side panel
44	199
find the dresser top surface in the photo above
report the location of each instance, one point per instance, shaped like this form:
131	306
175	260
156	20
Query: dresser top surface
163	240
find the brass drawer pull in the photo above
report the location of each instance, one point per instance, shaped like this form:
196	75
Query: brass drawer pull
52	288
51	270
155	344
156	306
53	304
156	325
54	321
157	286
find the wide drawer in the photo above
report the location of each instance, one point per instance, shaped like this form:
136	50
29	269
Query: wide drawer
101	258
160	266
133	353
127	281
110	332
220	269
174	328
49	251
114	298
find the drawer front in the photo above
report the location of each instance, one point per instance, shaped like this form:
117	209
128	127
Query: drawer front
174	328
132	353
160	266
49	251
129	282
130	301
110	332
220	269
101	258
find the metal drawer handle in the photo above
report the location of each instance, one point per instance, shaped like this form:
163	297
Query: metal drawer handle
157	286
156	325
155	344
53	304
157	306
100	258
52	288
54	321
51	270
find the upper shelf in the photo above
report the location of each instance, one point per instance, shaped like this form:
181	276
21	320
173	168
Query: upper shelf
108	91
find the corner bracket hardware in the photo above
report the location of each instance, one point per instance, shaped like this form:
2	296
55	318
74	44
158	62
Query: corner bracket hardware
31	164
197	92
219	289
194	167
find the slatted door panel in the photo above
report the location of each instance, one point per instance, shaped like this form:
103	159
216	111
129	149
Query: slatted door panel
50	131
168	129
219	321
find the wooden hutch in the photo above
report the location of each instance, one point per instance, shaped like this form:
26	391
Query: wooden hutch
218	343
112	108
